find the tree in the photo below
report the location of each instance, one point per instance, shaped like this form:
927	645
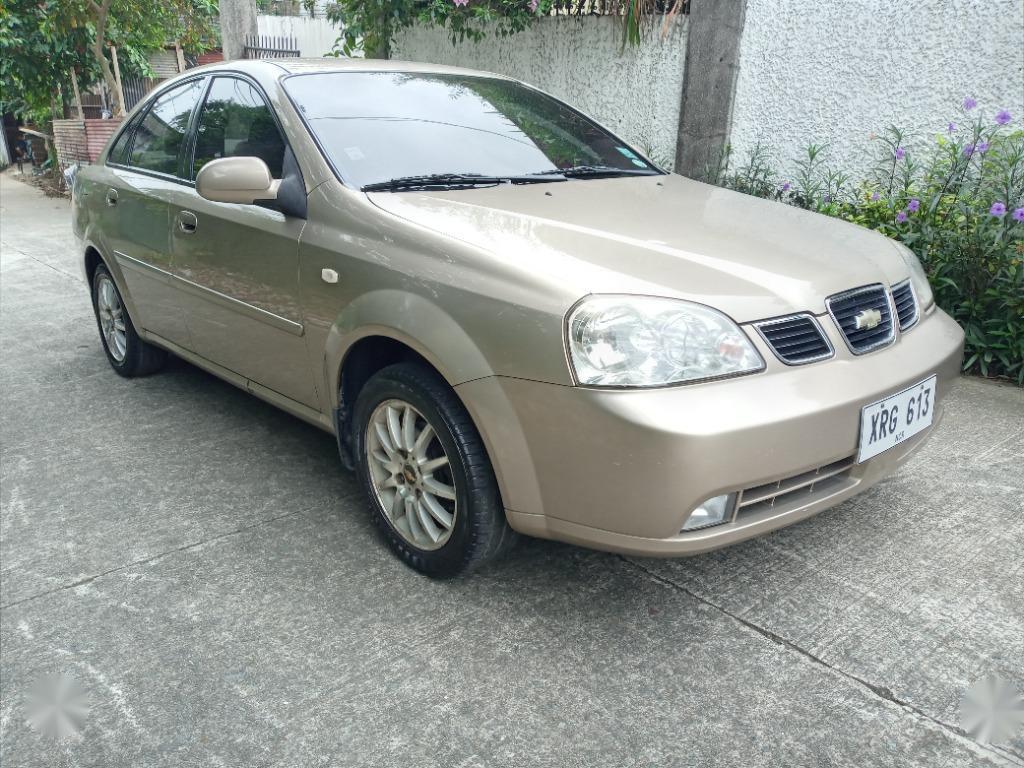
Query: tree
39	46
42	40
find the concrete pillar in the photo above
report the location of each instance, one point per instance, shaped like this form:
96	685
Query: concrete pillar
237	20
709	83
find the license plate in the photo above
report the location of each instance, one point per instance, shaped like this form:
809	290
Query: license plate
896	418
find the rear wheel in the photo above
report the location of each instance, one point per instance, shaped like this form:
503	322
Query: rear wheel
128	354
425	470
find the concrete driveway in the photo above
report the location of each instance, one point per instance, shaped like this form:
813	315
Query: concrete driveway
204	567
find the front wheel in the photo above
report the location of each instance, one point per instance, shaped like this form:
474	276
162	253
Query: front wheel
425	470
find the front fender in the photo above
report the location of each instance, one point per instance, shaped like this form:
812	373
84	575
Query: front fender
412	320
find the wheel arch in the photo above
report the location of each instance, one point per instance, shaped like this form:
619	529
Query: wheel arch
368	351
92	257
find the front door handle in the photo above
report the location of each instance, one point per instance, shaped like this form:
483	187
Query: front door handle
187	222
111	196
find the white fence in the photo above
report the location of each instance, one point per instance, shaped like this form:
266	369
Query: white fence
315	36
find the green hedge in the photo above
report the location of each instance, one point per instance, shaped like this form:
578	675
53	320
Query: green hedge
958	204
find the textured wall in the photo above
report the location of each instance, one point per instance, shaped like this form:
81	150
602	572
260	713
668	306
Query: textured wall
836	71
636	94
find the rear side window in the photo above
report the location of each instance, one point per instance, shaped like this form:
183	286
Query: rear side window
236	121
159	137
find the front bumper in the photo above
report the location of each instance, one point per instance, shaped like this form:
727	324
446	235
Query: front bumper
621	470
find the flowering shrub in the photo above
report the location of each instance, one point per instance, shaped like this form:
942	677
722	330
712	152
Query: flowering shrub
959	205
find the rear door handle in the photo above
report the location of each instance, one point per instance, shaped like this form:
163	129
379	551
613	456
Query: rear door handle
111	196
187	222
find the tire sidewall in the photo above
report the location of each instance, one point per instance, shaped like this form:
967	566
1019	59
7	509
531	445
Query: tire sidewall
450	557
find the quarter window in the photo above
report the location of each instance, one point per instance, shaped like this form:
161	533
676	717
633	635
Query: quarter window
159	137
119	152
235	121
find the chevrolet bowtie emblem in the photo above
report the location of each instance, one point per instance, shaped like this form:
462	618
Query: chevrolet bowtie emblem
868	319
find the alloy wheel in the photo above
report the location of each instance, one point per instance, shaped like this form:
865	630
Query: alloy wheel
112	320
411	474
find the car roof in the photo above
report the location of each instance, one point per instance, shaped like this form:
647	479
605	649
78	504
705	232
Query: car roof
303	66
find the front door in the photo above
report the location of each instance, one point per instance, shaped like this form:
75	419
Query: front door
237	265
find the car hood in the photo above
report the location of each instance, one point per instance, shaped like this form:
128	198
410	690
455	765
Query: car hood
662	236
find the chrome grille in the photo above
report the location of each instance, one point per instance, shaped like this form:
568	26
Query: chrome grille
906	304
795	340
850	308
798	490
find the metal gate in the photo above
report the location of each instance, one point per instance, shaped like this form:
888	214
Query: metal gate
270	47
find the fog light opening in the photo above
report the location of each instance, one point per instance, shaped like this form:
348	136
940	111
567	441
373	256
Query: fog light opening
712	512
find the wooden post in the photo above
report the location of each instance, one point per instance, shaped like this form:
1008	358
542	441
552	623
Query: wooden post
180	56
78	94
117	80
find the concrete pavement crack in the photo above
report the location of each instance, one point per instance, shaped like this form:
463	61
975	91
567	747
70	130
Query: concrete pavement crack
7	246
152	558
1009	756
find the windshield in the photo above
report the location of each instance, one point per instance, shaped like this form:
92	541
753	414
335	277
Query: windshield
379	126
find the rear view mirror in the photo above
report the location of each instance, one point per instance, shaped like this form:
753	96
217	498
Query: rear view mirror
236	180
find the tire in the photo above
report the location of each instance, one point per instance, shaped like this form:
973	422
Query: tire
137	358
479	533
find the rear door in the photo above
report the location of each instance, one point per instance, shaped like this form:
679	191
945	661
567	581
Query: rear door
238	264
143	171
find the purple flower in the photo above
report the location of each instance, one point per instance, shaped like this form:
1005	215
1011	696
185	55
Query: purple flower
998	209
968	150
1003	117
875	197
981	148
970	103
786	187
1018	214
901	217
951	128
913	205
533	6
460	2
900	153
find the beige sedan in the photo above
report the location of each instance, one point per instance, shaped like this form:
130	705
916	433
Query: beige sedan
510	318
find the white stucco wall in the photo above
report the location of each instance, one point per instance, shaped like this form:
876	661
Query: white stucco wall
636	94
837	71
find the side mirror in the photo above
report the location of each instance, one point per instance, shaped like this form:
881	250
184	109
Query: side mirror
236	180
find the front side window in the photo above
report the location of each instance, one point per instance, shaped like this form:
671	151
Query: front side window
235	121
159	137
377	126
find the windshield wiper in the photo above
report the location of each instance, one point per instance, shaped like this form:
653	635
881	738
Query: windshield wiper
456	180
599	171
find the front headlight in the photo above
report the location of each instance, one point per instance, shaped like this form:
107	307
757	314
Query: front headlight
918	278
640	341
